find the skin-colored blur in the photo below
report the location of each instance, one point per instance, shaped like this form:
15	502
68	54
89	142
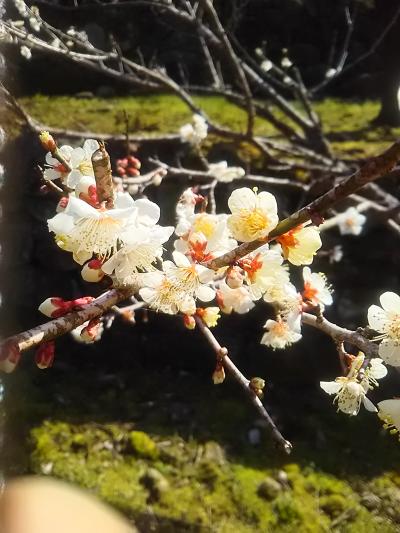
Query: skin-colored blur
39	505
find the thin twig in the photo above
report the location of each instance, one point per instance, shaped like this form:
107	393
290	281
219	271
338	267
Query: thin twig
222	353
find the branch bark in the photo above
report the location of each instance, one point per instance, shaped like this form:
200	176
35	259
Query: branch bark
375	168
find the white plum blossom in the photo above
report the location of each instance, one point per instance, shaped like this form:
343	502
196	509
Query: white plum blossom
386	320
26	52
86	231
225	174
253	215
265	273
281	333
142	244
350	391
300	244
351	221
194	132
389	413
238	300
316	290
204	236
190	278
79	159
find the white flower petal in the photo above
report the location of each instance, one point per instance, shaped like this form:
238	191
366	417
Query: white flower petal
330	387
377	318
243	198
369	406
180	259
148	212
205	293
390	302
61	224
389	350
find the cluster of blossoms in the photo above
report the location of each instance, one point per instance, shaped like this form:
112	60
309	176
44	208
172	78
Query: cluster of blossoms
351	390
125	242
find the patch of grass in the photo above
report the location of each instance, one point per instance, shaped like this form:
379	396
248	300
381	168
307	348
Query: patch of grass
347	123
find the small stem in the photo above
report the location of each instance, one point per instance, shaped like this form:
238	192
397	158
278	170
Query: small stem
229	365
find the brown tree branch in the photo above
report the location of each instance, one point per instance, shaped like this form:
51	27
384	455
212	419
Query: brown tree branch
340	334
60	326
375	168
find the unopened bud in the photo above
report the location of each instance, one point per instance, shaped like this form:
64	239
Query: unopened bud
86	190
218	376
55	307
44	356
62	204
157	179
92	332
92	272
47	141
189	321
134	162
79	302
10	354
257	386
234	278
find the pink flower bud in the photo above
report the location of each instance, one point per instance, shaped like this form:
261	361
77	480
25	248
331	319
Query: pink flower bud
234	278
79	302
44	356
189	322
10	354
131	171
55	307
62	204
92	272
86	190
134	162
91	332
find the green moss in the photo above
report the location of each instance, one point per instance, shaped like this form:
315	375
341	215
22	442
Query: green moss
346	123
143	445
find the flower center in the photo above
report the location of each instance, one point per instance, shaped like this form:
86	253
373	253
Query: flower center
97	235
393	328
251	266
289	239
85	168
254	220
309	292
205	225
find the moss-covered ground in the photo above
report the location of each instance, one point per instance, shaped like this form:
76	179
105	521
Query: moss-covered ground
347	123
173	452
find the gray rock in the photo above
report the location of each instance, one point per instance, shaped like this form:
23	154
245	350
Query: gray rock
269	489
155	483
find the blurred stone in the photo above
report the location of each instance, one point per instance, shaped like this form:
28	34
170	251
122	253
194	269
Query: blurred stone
213	452
370	501
269	489
155	483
